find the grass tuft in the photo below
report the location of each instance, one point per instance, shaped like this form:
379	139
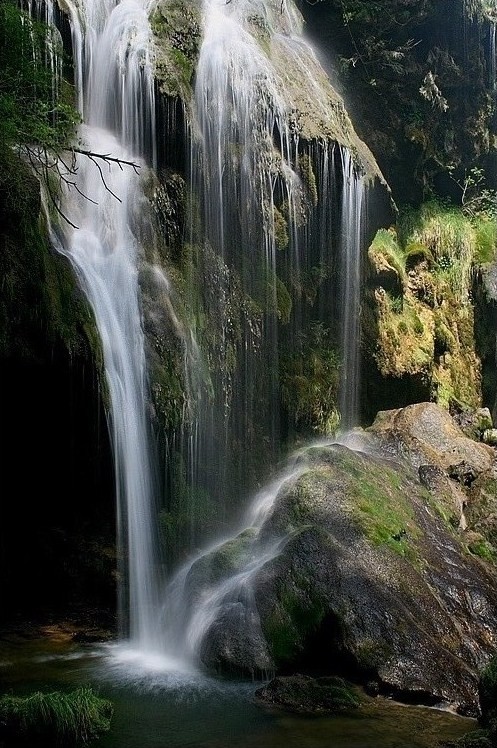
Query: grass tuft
56	719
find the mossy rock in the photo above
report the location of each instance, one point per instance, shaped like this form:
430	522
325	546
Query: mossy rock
176	26
224	561
306	695
428	329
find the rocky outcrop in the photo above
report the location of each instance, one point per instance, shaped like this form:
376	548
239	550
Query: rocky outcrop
460	471
373	579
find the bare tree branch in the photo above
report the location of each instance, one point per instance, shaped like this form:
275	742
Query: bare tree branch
47	165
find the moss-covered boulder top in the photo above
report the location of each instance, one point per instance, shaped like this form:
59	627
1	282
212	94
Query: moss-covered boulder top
371	580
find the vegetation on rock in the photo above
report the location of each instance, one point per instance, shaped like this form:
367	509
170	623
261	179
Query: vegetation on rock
422	274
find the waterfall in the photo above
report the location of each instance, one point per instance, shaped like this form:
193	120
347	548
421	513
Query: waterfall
351	245
115	92
275	196
250	165
262	167
241	153
492	58
194	605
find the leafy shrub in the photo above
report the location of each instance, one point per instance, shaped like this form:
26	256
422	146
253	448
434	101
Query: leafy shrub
487	691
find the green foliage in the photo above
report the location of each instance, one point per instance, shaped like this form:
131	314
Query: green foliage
386	245
449	236
396	305
482	549
486	239
380	53
33	107
309	383
55	719
477	200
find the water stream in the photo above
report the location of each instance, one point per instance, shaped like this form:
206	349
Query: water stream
113	73
250	168
351	247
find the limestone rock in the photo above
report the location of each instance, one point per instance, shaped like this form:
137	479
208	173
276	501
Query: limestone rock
426	433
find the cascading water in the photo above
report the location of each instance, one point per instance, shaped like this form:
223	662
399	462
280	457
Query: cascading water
199	595
492	58
265	183
111	44
351	245
250	167
273	204
239	111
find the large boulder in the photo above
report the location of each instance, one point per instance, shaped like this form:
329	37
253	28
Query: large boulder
369	579
427	433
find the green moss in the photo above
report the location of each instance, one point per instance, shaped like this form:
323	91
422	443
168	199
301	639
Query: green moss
383	512
177	30
483	549
283	301
224	561
297	614
385	247
306	172
429	331
444	337
280	225
415	253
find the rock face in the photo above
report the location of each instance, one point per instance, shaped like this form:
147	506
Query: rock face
373	579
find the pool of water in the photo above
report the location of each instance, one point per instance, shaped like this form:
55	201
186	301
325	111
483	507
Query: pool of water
160	704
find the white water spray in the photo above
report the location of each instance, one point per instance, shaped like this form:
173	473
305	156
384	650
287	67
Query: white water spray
194	604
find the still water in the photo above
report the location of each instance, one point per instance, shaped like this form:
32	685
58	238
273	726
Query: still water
159	705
